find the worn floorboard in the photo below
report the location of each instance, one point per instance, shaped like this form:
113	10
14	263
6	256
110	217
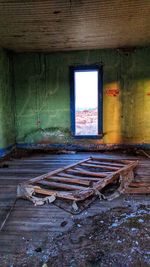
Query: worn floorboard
28	223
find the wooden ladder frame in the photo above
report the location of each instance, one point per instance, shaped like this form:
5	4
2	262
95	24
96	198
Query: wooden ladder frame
77	182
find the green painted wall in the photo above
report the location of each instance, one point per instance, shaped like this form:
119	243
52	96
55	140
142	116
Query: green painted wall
7	126
136	97
43	95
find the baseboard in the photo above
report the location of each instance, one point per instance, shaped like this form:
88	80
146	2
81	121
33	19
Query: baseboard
72	147
81	147
5	151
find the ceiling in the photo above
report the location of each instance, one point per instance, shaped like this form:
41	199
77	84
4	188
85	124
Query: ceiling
61	25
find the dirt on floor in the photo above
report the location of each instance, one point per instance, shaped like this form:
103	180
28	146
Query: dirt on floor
118	237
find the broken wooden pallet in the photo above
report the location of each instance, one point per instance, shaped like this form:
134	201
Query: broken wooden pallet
79	181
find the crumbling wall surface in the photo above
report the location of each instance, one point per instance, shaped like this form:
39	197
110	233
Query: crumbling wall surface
43	96
7	126
135	96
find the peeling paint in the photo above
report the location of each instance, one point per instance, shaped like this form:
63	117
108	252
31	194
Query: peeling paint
55	135
7	126
42	90
43	95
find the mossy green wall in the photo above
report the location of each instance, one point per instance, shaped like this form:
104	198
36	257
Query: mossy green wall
136	97
7	131
43	95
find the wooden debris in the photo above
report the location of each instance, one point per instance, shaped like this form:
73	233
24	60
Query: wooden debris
145	153
79	181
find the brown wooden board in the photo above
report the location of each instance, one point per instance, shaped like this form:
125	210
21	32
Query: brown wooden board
77	182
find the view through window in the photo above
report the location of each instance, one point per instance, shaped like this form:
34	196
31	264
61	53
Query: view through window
86	102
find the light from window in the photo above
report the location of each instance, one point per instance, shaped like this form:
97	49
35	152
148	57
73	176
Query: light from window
86	102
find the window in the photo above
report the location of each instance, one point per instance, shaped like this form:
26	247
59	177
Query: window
86	101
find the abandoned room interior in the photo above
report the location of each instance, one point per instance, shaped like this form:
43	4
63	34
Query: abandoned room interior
74	133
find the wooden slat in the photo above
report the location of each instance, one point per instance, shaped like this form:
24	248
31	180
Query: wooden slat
106	163
87	178
124	171
53	172
36	26
61	182
100	166
64	195
122	161
81	171
142	190
71	180
60	185
140	184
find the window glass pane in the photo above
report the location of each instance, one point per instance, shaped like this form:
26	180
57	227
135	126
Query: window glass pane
86	102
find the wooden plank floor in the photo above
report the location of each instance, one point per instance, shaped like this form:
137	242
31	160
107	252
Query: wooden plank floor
28	223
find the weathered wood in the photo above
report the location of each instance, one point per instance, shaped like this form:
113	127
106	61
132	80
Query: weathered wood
138	190
60	185
35	223
124	172
145	153
87	178
65	179
124	161
65	195
57	180
100	166
106	163
53	172
90	173
140	184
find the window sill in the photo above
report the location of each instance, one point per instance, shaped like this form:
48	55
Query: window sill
99	136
